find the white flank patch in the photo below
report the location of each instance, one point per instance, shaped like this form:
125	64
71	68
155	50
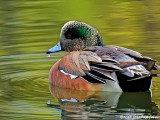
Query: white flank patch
71	75
70	100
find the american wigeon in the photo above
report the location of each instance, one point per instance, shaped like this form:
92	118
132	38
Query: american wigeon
91	66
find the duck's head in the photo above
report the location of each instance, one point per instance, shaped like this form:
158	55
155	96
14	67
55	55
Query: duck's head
76	36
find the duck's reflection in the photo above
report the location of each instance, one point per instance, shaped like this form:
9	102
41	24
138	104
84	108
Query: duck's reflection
109	105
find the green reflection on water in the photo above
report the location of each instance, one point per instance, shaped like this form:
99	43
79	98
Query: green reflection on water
29	27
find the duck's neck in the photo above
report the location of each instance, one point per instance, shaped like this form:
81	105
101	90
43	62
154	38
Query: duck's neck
100	41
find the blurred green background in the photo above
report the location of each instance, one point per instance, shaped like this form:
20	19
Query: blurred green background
28	28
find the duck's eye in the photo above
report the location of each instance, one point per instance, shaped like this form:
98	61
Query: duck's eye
69	36
72	33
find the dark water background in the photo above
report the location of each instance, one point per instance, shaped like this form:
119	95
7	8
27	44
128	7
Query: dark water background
30	27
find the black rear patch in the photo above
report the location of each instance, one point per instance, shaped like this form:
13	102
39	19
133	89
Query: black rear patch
137	85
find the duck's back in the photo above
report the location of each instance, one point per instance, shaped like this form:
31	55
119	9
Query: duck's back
135	73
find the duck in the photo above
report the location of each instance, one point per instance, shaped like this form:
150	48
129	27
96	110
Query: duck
91	66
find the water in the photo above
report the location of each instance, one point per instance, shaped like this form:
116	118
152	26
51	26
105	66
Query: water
28	28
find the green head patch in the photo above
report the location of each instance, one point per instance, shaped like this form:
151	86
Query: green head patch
77	32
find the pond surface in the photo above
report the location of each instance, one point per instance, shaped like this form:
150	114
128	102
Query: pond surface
28	28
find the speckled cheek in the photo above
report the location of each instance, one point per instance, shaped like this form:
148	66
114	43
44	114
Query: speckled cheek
91	40
74	45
